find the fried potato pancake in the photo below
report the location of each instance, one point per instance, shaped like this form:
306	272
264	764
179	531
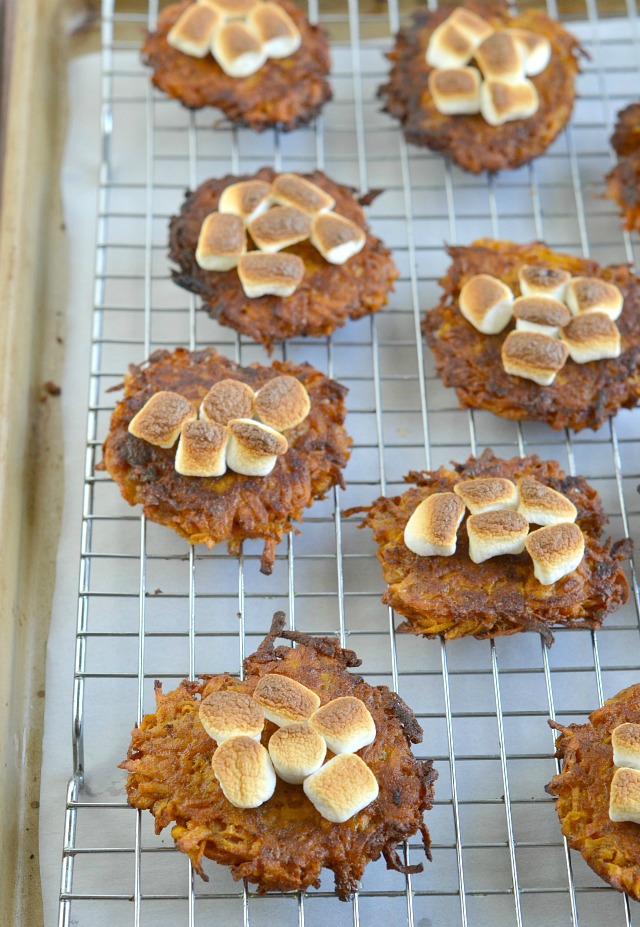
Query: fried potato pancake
285	843
623	182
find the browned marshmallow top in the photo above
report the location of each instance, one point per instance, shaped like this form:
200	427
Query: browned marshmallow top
542	505
487	493
625	740
499	57
196	23
232	8
624	804
269	272
453	82
282	403
235	39
244	770
336	237
530	351
345	723
592	336
280	227
498	524
231	714
441	513
257	438
160	419
244	198
284	700
226	400
540	280
222	233
551	546
541	310
201	449
296	751
486	302
293	190
590	294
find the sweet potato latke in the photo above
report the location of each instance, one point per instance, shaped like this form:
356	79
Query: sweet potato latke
454	597
285	843
623	182
583	787
469	140
231	507
582	395
283	94
328	295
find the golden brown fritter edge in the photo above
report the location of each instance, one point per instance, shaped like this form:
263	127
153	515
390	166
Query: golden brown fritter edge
583	788
231	507
454	597
283	94
469	140
285	843
623	181
329	293
582	395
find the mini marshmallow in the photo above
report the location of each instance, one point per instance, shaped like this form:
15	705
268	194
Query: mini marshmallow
487	494
226	714
486	303
284	700
433	527
541	314
244	770
270	274
624	800
533	356
231	9
341	788
253	448
221	241
556	551
590	294
193	32
541	505
282	403
160	419
492	534
592	336
455	91
280	228
202	450
237	50
247	199
503	101
534	48
276	30
293	190
625	740
500	58
345	723
296	752
539	280
227	399
336	237
454	41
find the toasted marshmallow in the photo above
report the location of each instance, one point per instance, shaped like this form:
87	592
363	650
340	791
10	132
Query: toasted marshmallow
247	199
500	58
284	700
244	770
345	723
534	48
624	800
270	274
556	551
221	241
502	101
276	30
296	752
433	527
341	788
492	534
336	237
590	294
541	314
539	280
454	41
487	494
533	356
280	228
192	32
282	403
160	419
591	337
202	449
486	302
455	91
541	505
231	9
252	448
227	399
625	740
238	50
228	714
293	190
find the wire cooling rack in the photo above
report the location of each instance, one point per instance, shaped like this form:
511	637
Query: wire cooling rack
151	607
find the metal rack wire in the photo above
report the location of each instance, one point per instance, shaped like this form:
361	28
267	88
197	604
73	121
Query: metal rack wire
151	607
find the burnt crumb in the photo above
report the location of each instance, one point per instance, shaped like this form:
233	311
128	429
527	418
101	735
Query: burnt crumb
52	388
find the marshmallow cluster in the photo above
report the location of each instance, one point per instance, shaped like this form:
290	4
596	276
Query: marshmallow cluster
624	801
226	435
296	752
557	316
240	34
276	216
498	523
499	87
